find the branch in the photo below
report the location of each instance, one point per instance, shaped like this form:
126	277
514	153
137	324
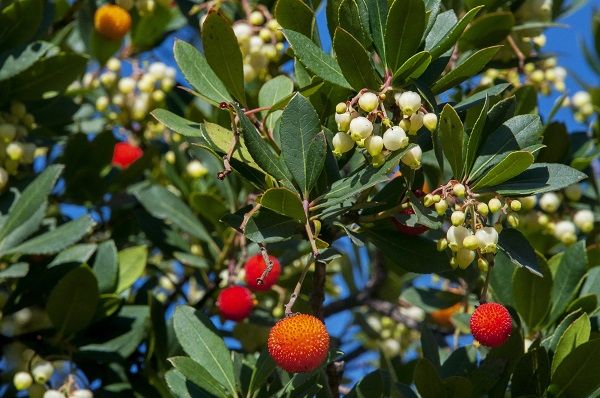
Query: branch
296	292
234	143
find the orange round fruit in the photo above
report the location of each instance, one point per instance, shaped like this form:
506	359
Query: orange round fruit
112	21
299	343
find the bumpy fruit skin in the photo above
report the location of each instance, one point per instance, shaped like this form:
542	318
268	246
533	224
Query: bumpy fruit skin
491	324
112	21
299	343
255	266
235	303
125	154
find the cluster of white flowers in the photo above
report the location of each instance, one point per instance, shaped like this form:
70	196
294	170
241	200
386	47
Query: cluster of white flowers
38	378
359	126
543	75
14	151
127	99
261	43
391	334
563	225
582	106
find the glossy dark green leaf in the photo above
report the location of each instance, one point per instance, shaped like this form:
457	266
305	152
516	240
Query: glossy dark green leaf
353	16
404	30
72	302
378	10
295	15
465	70
551	341
264	367
354	61
219	139
199	74
413	68
197	337
177	123
575	335
311	56
532	374
284	202
480	96
19	21
540	178
106	267
271	93
531	295
17	270
501	279
452	136
445	42
19	59
303	143
428	382
475	138
223	53
132	263
519	250
200	376
487	30
79	253
571	268
575	375
267	226
511	166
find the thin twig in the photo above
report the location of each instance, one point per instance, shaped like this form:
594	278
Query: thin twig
520	56
296	292
248	216
227	158
267	260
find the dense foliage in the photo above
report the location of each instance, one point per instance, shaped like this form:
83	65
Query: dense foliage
183	228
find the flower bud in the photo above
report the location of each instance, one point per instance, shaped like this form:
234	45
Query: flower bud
3	178
108	79
459	190
242	31
368	101
249	73
22	381
158	96
573	192
565	232
126	85
409	102
470	242
487	239
343	120
513	220
584	219
54	394
483	265
102	103
360	128
196	169
550	202
265	35
374	145
342	143
528	202
456	236
7	132
416	122
515	205
457	218
167	84
378	160
441	207
256	18
464	258
483	209
412	158
404	124
494	205
113	64
395	138
14	150
430	121
82	394
42	372
341	108
146	83
170	157
442	244
581	98
436	198
428	200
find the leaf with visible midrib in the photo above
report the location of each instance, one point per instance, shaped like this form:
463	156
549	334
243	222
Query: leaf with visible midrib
303	143
404	30
223	53
575	335
452	135
511	166
199	74
198	375
197	338
354	61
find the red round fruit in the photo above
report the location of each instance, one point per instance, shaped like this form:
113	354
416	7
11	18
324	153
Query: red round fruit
235	303
405	229
299	343
491	324
255	266
125	154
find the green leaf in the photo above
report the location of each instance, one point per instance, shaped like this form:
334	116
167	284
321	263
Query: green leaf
303	143
452	135
19	22
465	70
430	347
480	96
272	92
511	166
457	386
441	25
267	226
413	68
72	302
501	279
17	270
57	239
149	30
106	267
448	40
378	10
574	377
30	200
519	250
551	341
353	16
427	380
48	76
311	56
531	375
262	153
219	139
132	263
487	30
404	30
198	375
180	387
79	254
223	53
571	269
284	202
164	205
19	59
177	123
199	74
575	335
517	133
540	178
354	61
295	15
475	138
531	295
263	369
198	339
